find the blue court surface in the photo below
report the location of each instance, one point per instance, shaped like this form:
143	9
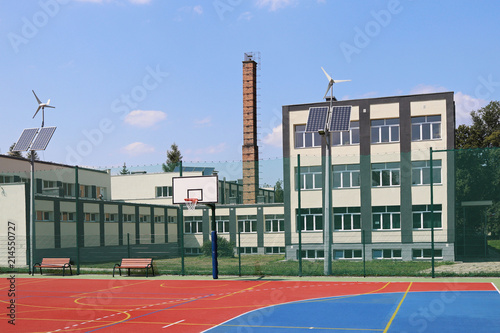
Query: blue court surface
429	311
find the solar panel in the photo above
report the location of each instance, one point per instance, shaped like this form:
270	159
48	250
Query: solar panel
341	116
317	119
25	139
43	138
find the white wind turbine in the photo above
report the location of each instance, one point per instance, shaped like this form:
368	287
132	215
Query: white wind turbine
42	106
330	83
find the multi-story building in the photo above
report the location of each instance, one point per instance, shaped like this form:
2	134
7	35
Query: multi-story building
381	179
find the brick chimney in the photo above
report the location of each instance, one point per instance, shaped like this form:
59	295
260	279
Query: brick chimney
250	149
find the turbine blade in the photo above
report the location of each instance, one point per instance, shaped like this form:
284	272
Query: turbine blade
50	106
39	107
48	102
39	102
327	89
337	81
327	76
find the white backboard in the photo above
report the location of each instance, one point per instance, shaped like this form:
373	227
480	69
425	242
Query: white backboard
203	188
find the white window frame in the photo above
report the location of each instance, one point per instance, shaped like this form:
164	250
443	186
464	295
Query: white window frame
382	216
247	224
311	178
222	224
350	254
274	250
346	218
383	169
425	254
191	223
163	191
310	218
347	138
393	254
380	126
303	139
420	125
423	169
346	175
274	223
438	223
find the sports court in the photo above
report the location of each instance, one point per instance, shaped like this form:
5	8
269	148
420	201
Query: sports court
55	304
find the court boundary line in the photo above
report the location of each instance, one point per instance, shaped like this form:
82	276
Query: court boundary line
397	309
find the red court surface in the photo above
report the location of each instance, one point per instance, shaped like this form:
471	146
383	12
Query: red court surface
153	305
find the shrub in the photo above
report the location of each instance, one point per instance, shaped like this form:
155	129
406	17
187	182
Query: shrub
225	248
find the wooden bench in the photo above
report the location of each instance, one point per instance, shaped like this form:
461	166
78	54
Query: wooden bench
53	263
135	263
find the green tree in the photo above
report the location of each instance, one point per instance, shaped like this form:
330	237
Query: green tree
173	158
14	153
278	191
124	170
35	155
225	248
484	131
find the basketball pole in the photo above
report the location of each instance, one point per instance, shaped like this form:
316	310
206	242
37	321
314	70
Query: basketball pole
215	264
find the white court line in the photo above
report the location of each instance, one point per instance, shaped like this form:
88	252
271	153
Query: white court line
180	321
494	286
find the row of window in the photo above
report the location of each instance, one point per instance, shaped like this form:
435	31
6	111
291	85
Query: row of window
376	254
246	224
108	217
382	131
382	175
383	218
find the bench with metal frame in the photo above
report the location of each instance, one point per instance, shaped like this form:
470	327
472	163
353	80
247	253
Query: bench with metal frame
135	263
53	263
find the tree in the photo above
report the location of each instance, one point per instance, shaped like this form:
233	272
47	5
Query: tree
124	170
484	131
35	155
173	158
225	248
278	191
14	153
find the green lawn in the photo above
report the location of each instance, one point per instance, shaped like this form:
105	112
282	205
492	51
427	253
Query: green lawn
494	243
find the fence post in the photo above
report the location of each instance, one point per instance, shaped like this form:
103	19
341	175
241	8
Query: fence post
128	245
239	248
364	252
432	214
299	215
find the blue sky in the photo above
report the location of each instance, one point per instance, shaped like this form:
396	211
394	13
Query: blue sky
131	77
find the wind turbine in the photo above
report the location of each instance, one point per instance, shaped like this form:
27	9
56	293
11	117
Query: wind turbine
42	106
331	82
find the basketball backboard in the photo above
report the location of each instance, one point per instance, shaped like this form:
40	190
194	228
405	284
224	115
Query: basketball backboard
203	188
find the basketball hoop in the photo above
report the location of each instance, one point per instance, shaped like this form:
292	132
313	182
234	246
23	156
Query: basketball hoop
191	203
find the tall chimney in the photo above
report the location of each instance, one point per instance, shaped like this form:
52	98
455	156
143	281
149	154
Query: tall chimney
250	149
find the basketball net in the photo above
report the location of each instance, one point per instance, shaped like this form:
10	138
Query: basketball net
191	203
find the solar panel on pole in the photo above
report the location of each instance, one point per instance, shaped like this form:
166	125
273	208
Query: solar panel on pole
43	138
317	119
25	139
340	118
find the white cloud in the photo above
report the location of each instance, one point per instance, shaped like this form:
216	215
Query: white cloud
144	119
275	138
274	5
464	104
135	2
205	122
137	148
198	9
188	11
246	16
426	89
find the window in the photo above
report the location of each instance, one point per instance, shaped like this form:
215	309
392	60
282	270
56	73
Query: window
128	217
311	178
49	184
425	128
312	219
305	139
347	218
384	130
172	219
193	225
85	191
344	138
91	217
421	172
192	251
6	179
247	223
275	223
247	250
348	254
101	192
385	174
427	253
274	250
422	216
386	218
346	176
65	216
108	217
222	224
143	218
68	189
312	254
386	254
43	216
164	191
158	218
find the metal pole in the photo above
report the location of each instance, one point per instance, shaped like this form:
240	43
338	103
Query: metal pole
432	214
327	204
33	212
364	252
239	248
215	264
77	212
181	229
299	215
